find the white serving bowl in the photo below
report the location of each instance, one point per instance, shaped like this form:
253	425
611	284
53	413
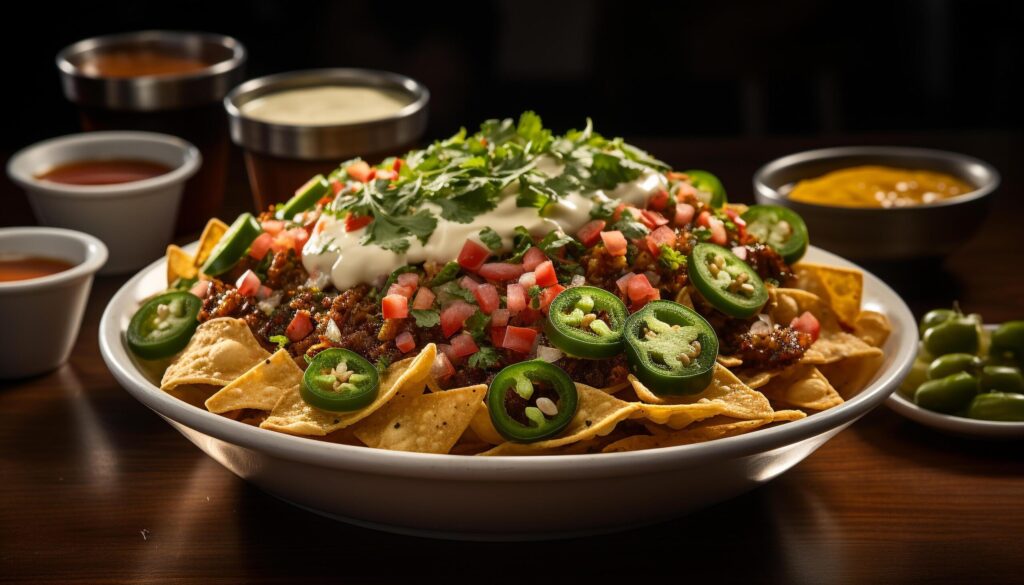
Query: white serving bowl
41	316
135	220
503	498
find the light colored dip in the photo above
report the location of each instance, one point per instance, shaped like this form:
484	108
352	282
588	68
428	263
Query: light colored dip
332	250
327	105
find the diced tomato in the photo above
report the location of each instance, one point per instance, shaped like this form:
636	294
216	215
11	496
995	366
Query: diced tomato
639	287
372	175
532	259
499	318
497	336
405	342
248	283
469	283
741	224
397	165
448	351
424	298
546	274
663	236
442	367
454	316
337	186
807	323
273	226
360	171
299	238
547	295
261	245
590	233
653	219
515	296
397	289
623	282
487	297
685	191
463	345
704	219
300	327
519	339
395	306
529	316
614	242
409	279
684	213
201	288
501	271
355	222
659	200
264	292
472	256
718	234
617	214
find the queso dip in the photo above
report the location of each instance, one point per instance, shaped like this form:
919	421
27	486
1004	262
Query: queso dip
326	105
879	186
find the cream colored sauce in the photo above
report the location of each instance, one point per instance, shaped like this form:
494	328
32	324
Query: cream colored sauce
328	105
350	263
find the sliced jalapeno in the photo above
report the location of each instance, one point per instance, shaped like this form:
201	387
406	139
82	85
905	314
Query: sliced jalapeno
711	189
531	401
339	380
586	322
232	245
725	281
1001	406
305	197
163	325
949	395
671	348
779	227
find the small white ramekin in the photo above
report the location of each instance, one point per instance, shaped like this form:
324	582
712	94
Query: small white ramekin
135	220
41	316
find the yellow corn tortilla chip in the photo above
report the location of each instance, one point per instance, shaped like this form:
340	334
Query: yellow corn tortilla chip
717	427
597	415
194	394
261	387
803	387
292	415
726	395
484	428
427	423
212	233
836	347
872	327
833	344
729	361
180	264
757	379
220	351
841	288
852	375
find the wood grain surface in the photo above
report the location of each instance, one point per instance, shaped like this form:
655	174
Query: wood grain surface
95	488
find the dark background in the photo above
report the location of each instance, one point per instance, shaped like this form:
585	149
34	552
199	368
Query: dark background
638	68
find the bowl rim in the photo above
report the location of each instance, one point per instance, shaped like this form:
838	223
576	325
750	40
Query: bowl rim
761	188
95	257
520	468
191	160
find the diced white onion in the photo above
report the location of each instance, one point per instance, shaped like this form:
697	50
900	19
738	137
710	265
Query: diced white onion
740	251
549	354
528	279
653	277
332	332
268	305
577	280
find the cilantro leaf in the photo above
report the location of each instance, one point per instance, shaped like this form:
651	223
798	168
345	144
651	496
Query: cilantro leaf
280	340
446	274
477	324
486	358
490	238
608	171
452	290
671	258
426	318
465	208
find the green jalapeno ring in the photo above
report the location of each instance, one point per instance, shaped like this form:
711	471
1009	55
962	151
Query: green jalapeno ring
520	378
163	325
661	350
708	183
766	223
305	197
573	325
732	286
339	380
232	245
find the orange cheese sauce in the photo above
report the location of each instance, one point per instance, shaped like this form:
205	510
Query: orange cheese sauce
879	186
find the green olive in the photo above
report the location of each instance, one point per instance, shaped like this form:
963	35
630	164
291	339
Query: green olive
952	363
999	406
949	394
1008	343
1001	379
958	335
936	317
918	375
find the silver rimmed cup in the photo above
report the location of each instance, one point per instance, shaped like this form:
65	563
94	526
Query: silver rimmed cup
281	157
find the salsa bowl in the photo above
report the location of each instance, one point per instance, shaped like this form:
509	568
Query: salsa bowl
503	498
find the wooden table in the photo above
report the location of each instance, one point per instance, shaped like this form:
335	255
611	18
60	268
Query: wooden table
95	488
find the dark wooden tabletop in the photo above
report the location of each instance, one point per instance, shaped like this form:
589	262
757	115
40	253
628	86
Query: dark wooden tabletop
95	488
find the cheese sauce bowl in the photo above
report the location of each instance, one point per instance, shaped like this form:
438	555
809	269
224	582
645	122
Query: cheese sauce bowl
283	151
930	230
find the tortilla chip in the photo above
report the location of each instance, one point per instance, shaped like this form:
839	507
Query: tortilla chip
852	375
484	428
841	288
261	387
729	361
220	351
721	427
292	415
757	379
597	415
194	394
833	343
426	423
180	264
803	387
872	327
212	233
836	347
788	415
726	395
